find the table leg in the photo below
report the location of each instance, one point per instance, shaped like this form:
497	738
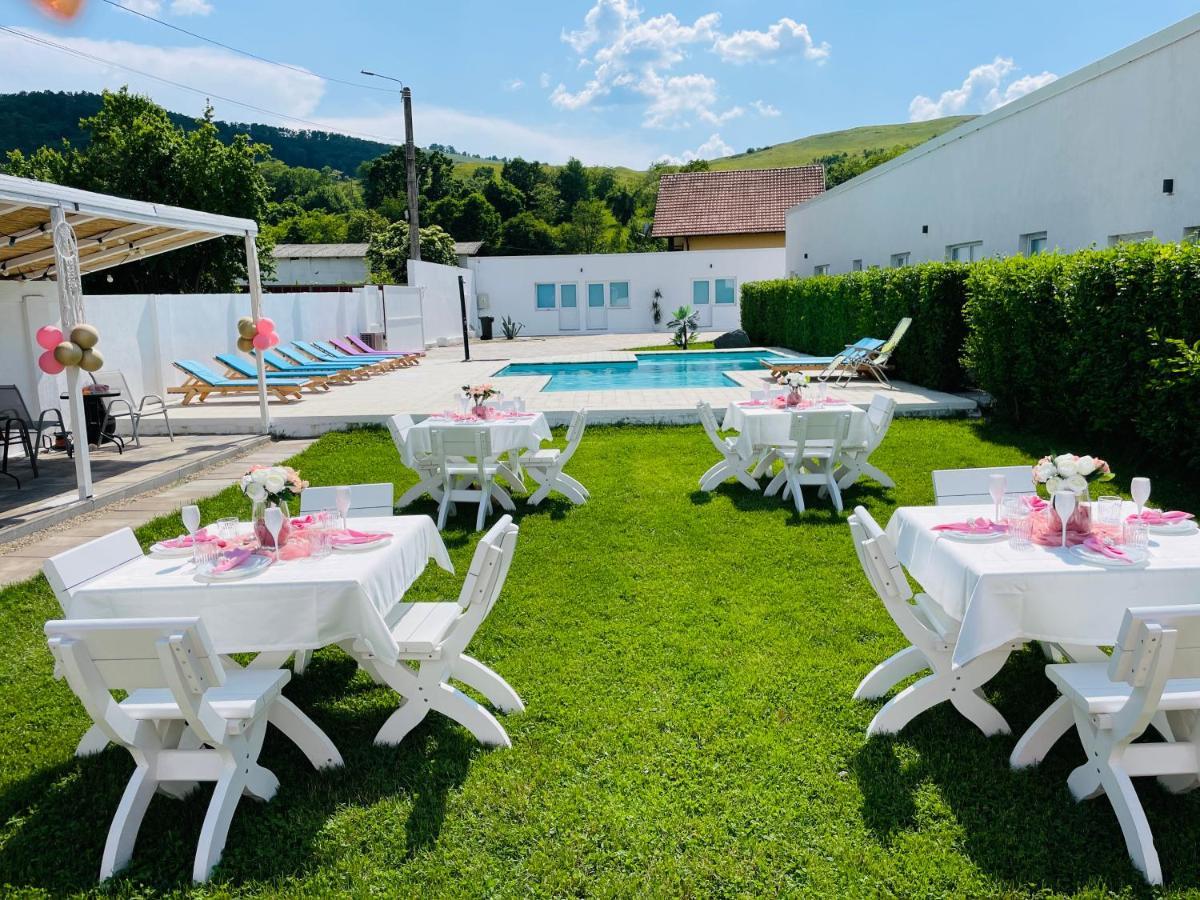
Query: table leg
1035	743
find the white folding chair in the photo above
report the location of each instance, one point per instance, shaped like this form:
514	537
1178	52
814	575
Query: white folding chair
70	569
966	487
365	500
464	458
429	477
545	466
732	464
855	461
435	637
811	455
123	407
175	686
1154	669
932	634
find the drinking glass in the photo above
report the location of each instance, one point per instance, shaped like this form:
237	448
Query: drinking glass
1019	519
758	395
1135	535
520	401
1064	505
191	518
342	498
1139	489
464	405
227	529
822	390
320	541
1108	514
997	486
204	556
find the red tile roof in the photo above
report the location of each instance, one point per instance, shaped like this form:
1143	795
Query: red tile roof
734	202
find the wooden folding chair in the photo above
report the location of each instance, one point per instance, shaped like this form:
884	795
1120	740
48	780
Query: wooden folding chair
732	463
812	456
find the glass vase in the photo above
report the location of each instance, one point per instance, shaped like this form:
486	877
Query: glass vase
258	516
1079	525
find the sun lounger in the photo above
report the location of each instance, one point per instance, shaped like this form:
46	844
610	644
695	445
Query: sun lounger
405	359
202	383
356	342
320	357
877	361
280	365
388	362
236	367
828	367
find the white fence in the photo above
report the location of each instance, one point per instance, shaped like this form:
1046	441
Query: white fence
441	310
614	292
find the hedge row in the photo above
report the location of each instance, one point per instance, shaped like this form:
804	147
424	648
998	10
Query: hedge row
822	315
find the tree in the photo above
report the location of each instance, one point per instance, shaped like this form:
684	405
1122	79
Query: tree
445	213
504	197
696	165
310	227
591	228
573	184
360	223
604	182
135	151
525	234
386	177
840	167
522	175
387	253
623	204
545	203
478	221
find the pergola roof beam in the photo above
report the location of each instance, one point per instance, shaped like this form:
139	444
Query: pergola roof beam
42	230
127	252
48	253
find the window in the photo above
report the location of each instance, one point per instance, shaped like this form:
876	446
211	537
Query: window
821	270
726	290
1034	243
1191	234
856	265
618	294
545	296
1131	237
701	292
899	260
968	252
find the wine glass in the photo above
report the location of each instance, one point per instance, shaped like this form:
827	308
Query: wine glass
273	519
997	486
191	518
1139	489
342	499
1064	505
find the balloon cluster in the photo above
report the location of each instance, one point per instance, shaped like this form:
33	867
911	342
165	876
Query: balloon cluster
77	350
258	335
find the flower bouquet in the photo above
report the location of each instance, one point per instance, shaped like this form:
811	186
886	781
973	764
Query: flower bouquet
479	394
1068	472
794	382
271	486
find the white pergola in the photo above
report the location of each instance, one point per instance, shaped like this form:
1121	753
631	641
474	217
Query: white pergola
52	232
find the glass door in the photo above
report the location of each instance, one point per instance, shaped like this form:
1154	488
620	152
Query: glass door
597	315
702	302
568	307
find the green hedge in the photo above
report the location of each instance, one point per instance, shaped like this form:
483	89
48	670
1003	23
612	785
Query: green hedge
822	315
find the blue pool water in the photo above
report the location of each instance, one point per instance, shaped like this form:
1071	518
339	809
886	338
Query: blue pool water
652	370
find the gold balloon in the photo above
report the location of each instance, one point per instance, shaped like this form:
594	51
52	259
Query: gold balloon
86	336
245	344
68	354
91	361
246	327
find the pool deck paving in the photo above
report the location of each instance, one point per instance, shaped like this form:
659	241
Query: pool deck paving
433	386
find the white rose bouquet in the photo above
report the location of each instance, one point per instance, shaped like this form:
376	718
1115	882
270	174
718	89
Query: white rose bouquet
1068	472
793	380
274	483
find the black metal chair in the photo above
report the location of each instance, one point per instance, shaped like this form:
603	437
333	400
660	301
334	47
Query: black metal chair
17	426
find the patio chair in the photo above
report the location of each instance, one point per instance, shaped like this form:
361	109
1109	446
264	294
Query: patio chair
932	634
1153	669
388	363
811	456
352	352
428	474
300	358
122	407
357	342
18	426
877	361
464	458
846	364
365	500
434	637
236	368
333	374
184	720
545	466
732	464
968	487
855	461
202	383
375	367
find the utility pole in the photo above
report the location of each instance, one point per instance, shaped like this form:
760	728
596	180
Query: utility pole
410	166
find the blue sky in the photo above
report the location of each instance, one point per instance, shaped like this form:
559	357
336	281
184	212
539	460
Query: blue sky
610	81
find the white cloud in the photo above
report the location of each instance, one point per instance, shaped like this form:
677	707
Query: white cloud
515	85
787	37
713	148
766	110
146	7
985	84
191	7
544	80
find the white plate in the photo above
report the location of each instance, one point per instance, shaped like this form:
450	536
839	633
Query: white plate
1187	526
967	537
360	548
160	550
1139	558
252	566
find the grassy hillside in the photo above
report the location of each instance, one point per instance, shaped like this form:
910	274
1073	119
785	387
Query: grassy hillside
850	141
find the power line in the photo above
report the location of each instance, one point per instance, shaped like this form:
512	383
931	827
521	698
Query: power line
186	87
216	43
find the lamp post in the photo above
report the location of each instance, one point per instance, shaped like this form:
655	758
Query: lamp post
410	166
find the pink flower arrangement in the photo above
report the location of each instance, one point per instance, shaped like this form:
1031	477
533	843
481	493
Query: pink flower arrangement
275	483
480	392
1070	472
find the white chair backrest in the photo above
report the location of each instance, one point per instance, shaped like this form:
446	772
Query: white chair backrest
709	421
879	416
828	425
471	442
884	569
964	487
398	427
1144	632
574	435
365	500
489	565
68	570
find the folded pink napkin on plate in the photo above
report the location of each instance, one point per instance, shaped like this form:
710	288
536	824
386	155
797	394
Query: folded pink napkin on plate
1035	503
350	536
1096	545
233	559
302	521
752	403
973	526
1160	517
189	540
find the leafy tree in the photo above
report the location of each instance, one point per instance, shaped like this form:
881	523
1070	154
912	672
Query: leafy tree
545	203
604	182
696	165
840	167
591	229
523	175
573	185
478	221
360	223
504	197
309	227
445	213
524	235
387	253
386	177
134	150
622	203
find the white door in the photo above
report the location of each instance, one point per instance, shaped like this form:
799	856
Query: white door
702	302
568	307
597	315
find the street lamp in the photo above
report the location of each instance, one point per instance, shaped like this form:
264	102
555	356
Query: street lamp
410	166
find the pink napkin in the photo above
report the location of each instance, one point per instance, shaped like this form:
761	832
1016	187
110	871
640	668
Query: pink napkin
1035	503
350	536
1106	549
233	559
973	526
302	521
1158	517
752	403
189	540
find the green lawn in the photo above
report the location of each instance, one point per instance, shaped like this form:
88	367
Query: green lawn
687	660
695	345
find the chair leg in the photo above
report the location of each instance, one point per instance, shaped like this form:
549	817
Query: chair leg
122	834
878	474
219	816
167	420
430	485
1139	840
301	660
302	731
1035	743
444	507
454	704
797	491
485	499
908	704
891	672
408	715
475	674
545	484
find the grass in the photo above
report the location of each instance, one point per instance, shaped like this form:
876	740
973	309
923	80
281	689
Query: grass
694	345
687	660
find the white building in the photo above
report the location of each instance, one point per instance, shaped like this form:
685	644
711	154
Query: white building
334	265
1108	153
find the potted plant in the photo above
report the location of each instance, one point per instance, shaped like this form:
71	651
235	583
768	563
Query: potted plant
511	328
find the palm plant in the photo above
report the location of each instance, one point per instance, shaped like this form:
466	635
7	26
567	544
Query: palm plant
686	323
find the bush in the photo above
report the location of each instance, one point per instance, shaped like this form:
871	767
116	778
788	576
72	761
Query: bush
821	315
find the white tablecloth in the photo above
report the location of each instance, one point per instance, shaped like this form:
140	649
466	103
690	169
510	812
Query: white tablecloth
1047	594
764	425
301	604
507	434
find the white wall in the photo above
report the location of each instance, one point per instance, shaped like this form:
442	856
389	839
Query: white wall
509	285
142	334
321	270
1082	159
441	307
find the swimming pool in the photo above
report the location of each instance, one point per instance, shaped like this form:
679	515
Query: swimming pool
651	370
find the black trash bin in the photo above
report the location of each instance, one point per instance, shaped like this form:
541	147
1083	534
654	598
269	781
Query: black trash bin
485	327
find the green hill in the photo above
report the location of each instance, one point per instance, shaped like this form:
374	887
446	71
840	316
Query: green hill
851	141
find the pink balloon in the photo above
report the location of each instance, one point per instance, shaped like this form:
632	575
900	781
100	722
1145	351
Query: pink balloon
49	337
274	338
261	341
48	364
265	325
